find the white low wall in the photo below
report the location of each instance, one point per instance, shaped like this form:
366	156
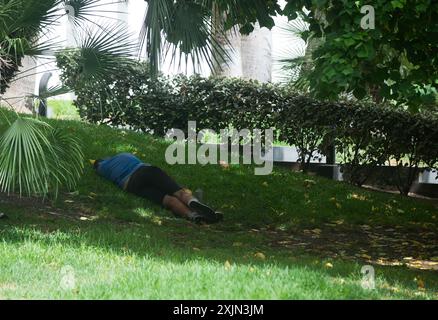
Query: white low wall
290	154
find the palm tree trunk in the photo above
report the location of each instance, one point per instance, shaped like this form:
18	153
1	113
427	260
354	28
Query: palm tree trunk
219	40
256	55
225	44
251	56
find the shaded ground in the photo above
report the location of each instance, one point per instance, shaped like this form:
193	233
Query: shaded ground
126	258
415	245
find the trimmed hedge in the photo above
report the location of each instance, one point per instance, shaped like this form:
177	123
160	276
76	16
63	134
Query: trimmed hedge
364	135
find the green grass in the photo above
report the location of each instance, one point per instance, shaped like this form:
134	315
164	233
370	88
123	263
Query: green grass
120	246
63	109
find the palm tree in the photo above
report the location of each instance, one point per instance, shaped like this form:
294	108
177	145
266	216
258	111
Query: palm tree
36	158
296	62
198	31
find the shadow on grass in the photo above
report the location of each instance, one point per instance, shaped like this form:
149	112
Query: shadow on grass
256	207
177	241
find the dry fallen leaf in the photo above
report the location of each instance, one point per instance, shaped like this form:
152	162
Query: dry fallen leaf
308	183
420	283
358	197
260	256
157	221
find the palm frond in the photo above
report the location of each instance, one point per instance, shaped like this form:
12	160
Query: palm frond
184	30
294	29
157	19
5	62
67	163
14	47
30	153
195	41
22	22
18	47
245	14
52	91
23	164
34	17
44	49
80	12
105	50
8	11
296	61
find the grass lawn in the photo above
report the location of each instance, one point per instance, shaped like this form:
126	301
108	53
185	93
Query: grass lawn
63	109
285	236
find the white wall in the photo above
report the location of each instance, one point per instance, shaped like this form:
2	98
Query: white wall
21	88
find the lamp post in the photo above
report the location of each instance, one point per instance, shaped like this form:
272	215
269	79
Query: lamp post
42	88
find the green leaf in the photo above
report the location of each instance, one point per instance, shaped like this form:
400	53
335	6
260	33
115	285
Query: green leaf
398	4
36	159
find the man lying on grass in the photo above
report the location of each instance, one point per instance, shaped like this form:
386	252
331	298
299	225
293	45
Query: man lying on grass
150	182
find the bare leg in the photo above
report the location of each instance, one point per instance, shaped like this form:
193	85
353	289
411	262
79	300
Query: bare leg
176	206
184	195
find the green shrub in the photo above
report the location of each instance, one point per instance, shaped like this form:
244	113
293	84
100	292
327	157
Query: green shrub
412	141
306	124
359	139
365	135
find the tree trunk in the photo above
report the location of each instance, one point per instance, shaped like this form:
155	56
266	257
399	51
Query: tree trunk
219	42
251	56
256	55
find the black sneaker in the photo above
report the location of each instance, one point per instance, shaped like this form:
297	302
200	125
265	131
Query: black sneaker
205	211
219	216
196	218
